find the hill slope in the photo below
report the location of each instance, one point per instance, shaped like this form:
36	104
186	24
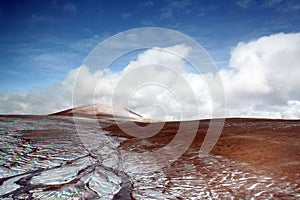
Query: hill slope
101	111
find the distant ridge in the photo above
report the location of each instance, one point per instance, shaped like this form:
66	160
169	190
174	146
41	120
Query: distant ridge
101	111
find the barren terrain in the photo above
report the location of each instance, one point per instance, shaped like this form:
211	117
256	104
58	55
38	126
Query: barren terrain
272	145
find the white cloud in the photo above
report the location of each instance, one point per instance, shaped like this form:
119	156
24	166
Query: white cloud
274	61
262	81
264	73
157	77
58	97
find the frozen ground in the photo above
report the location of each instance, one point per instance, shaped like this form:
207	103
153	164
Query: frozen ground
44	158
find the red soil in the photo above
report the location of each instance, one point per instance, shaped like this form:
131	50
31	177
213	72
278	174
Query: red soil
272	145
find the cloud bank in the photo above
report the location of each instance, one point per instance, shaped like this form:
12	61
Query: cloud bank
263	77
261	81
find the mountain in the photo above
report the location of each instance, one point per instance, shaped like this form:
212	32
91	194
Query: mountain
101	111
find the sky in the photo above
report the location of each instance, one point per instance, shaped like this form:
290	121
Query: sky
43	43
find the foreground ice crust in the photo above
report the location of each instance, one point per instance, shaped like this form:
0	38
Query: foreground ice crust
45	159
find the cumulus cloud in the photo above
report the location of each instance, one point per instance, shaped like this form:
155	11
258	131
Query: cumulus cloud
261	81
263	75
58	97
155	85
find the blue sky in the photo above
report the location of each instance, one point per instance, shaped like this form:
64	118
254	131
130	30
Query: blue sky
41	41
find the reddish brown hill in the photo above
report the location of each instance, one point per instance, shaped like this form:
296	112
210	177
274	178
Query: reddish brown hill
100	110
